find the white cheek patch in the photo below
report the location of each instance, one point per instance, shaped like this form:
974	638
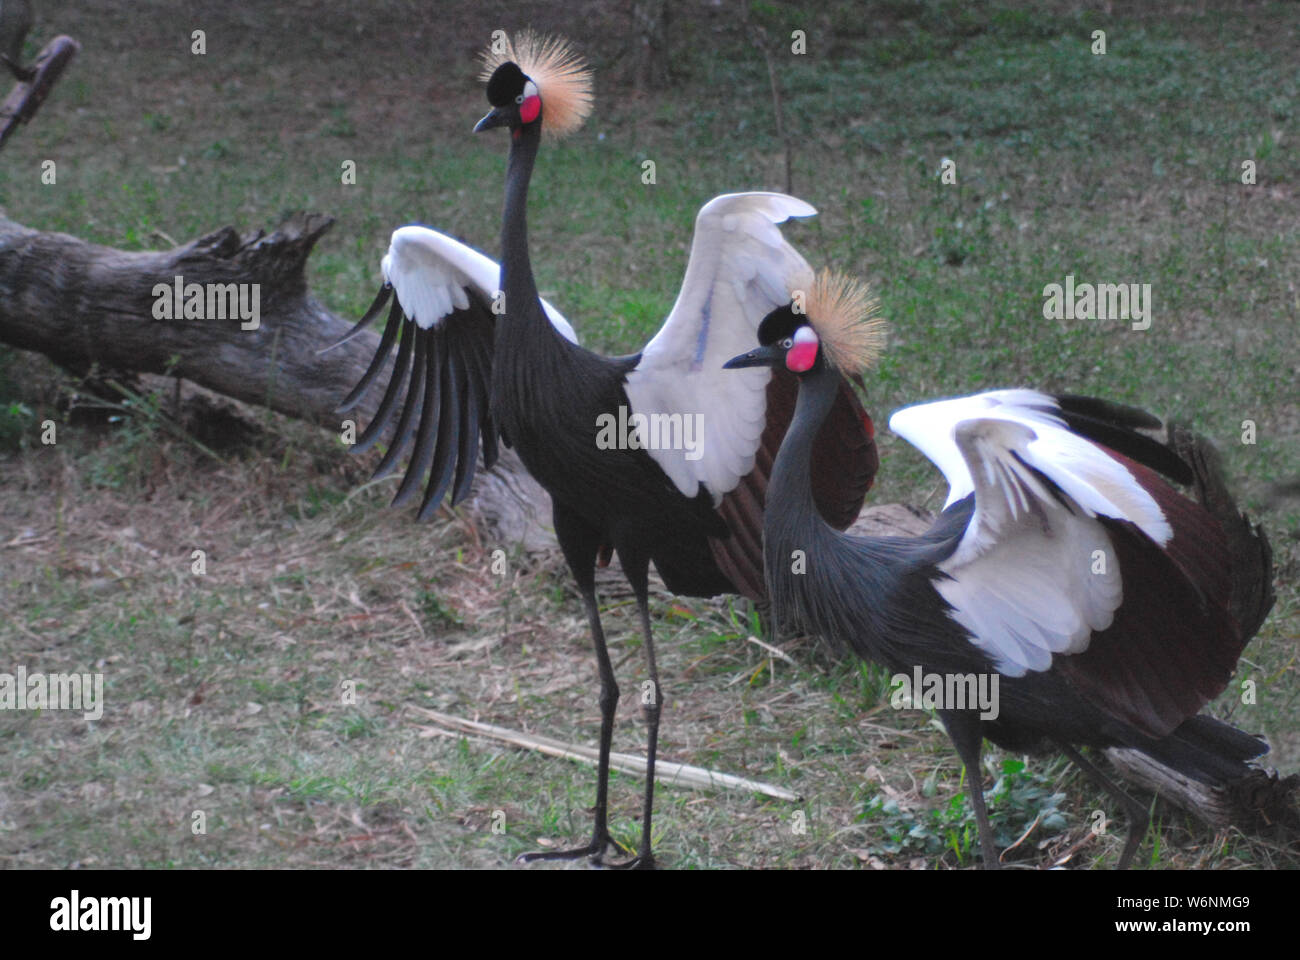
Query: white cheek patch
530	89
803	352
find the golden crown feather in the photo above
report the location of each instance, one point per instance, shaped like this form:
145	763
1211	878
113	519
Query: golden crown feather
562	76
844	313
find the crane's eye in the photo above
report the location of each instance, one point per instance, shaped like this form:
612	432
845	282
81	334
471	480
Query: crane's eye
787	343
519	99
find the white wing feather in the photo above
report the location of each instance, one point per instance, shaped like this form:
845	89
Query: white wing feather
740	269
1032	576
430	272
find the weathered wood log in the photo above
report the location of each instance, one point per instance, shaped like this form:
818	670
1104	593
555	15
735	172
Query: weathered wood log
87	306
509	502
1261	802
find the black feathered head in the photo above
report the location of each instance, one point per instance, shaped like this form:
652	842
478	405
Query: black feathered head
532	75
834	322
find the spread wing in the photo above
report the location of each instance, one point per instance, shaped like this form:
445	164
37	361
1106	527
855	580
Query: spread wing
740	269
1034	573
1079	558
441	322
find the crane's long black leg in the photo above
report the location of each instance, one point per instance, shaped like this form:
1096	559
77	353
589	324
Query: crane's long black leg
1138	818
580	543
969	741
637	569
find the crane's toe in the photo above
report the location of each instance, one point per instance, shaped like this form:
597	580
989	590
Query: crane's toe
595	850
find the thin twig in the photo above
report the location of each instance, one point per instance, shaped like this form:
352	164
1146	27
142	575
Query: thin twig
143	409
759	38
771	649
673	774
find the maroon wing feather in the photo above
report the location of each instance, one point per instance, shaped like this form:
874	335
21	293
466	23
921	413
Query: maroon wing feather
1176	636
844	466
844	460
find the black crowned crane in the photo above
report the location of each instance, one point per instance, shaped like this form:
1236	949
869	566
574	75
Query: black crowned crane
693	505
1109	607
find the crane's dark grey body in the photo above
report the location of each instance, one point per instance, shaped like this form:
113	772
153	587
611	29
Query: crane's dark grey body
877	594
547	397
473	376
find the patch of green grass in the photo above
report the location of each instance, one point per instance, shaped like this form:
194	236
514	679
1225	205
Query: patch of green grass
436	610
16	422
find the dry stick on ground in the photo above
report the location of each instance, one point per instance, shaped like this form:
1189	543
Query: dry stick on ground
666	772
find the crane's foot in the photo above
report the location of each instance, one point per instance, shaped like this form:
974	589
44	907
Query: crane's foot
594	851
643	862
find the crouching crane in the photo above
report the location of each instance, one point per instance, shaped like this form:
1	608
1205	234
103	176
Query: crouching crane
1109	607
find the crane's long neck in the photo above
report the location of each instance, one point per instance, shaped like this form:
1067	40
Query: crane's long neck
529	355
797	543
855	589
523	310
790	502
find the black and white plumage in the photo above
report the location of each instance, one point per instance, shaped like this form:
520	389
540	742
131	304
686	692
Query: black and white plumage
1110	607
442	322
440	293
518	374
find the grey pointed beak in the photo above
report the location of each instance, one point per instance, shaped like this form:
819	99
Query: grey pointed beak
767	356
495	118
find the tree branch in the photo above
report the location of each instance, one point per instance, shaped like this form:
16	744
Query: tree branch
34	83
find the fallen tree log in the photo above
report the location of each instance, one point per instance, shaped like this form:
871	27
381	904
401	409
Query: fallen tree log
85	305
34	82
89	307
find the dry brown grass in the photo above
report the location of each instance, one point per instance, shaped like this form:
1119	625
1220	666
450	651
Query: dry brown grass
224	689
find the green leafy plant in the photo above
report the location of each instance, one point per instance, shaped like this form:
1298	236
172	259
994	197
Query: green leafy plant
1018	798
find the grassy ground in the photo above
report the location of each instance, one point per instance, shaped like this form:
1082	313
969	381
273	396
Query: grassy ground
225	692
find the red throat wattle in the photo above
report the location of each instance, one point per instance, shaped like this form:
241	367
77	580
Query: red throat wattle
801	356
530	108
